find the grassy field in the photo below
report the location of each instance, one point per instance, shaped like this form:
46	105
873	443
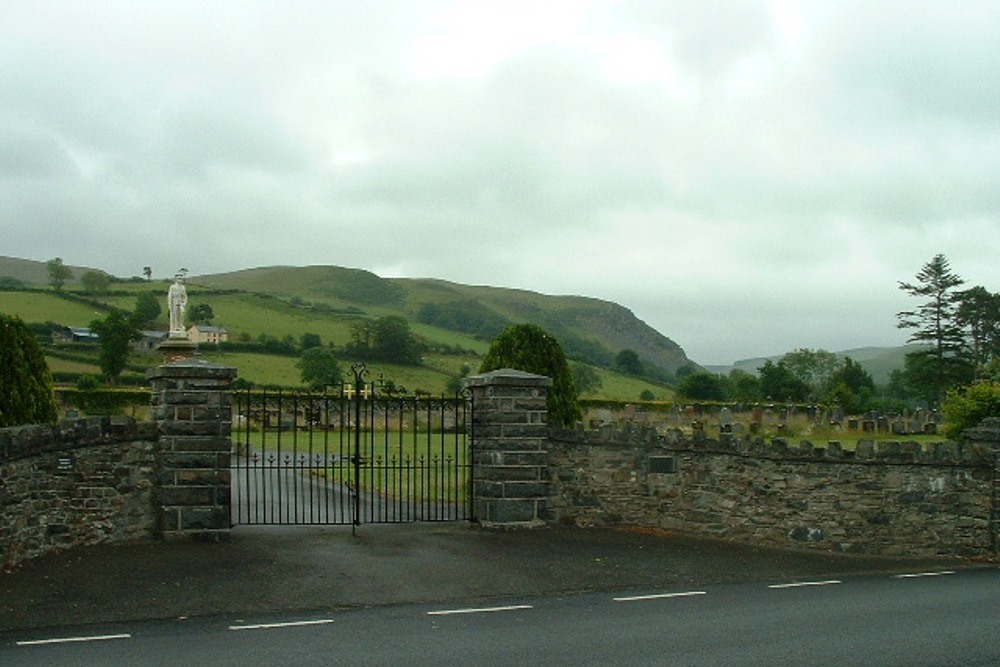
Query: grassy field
247	315
44	307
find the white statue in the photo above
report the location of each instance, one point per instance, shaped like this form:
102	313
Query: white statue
176	305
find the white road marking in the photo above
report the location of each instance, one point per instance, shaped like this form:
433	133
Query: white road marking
659	596
915	575
799	584
66	640
288	624
480	610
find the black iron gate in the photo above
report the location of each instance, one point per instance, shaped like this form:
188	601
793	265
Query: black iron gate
362	453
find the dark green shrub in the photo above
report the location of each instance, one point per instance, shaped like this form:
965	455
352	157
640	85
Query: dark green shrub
967	407
25	381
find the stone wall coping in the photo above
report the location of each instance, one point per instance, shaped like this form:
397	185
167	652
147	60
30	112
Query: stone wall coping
869	452
509	377
18	442
188	368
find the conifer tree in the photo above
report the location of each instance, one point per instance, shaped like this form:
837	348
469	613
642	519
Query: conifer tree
936	323
529	348
25	381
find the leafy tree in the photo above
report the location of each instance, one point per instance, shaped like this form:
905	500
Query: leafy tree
646	395
309	340
318	367
59	273
851	387
25	381
854	376
745	387
148	272
702	386
385	339
585	378
529	348
201	313
936	323
95	282
115	333
966	408
777	383
147	309
627	361
813	367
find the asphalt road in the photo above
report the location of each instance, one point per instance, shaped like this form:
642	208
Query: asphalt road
916	619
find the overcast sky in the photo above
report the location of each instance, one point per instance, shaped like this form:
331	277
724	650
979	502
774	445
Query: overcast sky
747	177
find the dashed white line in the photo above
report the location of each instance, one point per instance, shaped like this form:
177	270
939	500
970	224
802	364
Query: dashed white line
916	575
659	596
288	624
479	610
67	640
800	584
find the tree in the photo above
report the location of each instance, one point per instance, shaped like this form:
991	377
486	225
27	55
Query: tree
745	387
59	273
936	323
702	386
202	313
115	333
813	367
585	378
851	387
25	381
147	309
385	339
95	282
966	408
529	348
318	367
393	342
309	340
979	314
777	383
148	272
627	361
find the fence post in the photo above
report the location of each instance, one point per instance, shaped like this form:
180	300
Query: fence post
192	408
510	452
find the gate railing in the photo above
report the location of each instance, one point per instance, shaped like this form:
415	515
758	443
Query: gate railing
352	454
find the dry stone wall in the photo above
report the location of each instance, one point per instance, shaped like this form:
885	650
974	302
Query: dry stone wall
892	498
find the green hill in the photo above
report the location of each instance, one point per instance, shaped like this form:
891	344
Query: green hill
589	329
283	303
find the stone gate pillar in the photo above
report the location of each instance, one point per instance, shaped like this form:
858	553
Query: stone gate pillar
192	408
510	452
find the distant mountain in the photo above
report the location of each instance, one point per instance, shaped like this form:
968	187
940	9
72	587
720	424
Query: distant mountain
589	329
878	361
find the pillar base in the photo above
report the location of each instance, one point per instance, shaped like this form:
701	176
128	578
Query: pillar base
176	349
